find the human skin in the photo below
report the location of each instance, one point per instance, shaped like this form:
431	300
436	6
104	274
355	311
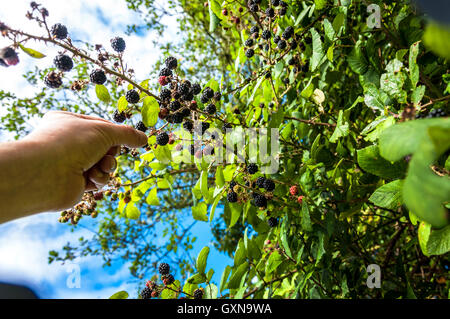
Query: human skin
51	168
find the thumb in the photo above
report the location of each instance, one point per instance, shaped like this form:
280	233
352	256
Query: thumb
124	135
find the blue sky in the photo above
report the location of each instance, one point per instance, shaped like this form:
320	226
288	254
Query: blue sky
24	243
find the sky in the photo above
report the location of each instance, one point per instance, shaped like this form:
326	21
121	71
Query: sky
24	243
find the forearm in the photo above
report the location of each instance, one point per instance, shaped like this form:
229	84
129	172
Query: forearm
25	184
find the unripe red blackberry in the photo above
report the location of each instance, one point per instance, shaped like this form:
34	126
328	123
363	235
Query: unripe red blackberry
140	126
163	80
53	80
119	117
232	197
59	31
63	62
198	294
127	199
163	112
210	109
132	97
300	199
146	293
98	76
252	168
171	63
98	195
162	138
225	12
118	44
293	190
273	222
164	269
155	294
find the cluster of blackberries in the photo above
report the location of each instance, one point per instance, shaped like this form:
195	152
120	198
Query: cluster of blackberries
265	183
167	277
432	114
272	222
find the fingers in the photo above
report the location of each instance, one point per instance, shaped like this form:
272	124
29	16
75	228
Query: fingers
97	176
107	164
125	135
81	116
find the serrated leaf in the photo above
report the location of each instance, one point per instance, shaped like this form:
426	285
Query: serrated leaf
439	241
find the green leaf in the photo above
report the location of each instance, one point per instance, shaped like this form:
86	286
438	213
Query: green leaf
389	195
273	262
197	279
439	241
237	275
102	93
199	212
163	154
413	67
201	260
436	38
224	277
172	292
317	53
236	210
122	103
211	291
204	184
341	130
150	111
33	53
220	179
306	220
423	235
152	198
120	295
132	211
284	232
371	161
214	21
357	60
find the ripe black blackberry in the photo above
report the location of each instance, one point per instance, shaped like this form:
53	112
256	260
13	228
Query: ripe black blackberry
198	294
165	72
291	61
184	88
282	45
178	117
288	33
254	29
171	63
168	279
270	12
436	113
275	3
252	168
283	4
196	88
63	62
254	8
286	81
226	126
208	92
249	53
132	97
174	105
119	117
210	109
59	31
53	80
232	197
269	185
232	184
165	94
201	127
293	44
282	11
260	200
204	99
162	139
187	97
146	293
266	35
272	222
276	39
248	42
217	96
164	268
188	126
118	44
98	76
140	126
260	181
186	112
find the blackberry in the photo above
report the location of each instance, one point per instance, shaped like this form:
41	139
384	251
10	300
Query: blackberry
188	97
210	109
266	35
184	88
254	8
248	43
250	184
283	4
436	113
171	63
226	126
204	99
178	117
276	39
59	31
260	200
198	294
63	62
254	29
217	96
163	113
165	72
186	112
146	293
269	185
232	197
163	80
164	268
132	96
174	106
286	81
275	3
176	95
162	139
140	126
196	88
252	168
98	76
266	47
53	80
208	92
119	117
270	12
168	280
232	184
272	222
165	94
282	45
188	126
260	181
118	44
201	127
293	44
282	11
288	32
249	53
291	61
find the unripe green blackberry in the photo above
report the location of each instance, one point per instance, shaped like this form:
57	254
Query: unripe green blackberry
198	294
98	76
63	62
273	222
53	80
249	53
140	126
260	181
59	31
260	200
132	96
210	109
269	185
162	138
146	293
118	44
164	269
252	168
171	63
232	197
